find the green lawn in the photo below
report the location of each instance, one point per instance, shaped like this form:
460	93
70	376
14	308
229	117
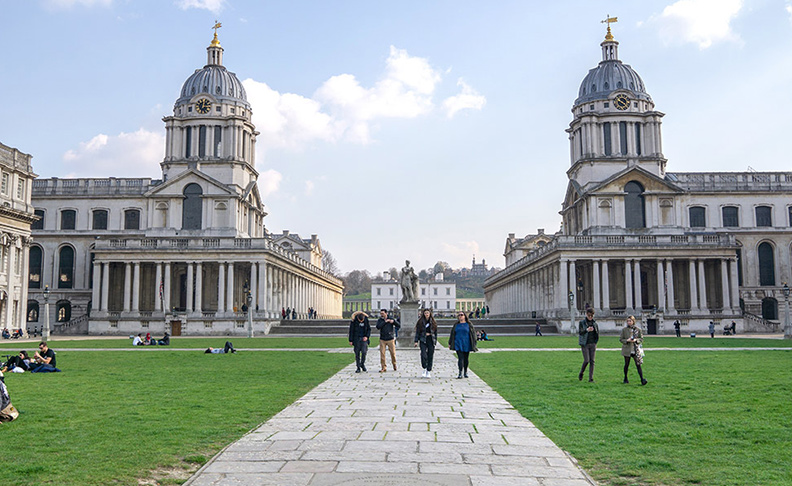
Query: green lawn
709	418
111	418
570	341
189	342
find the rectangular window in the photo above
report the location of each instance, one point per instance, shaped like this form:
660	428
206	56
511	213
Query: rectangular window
435	291
731	217
391	291
638	138
188	142
68	219
202	141
132	219
218	137
623	137
790	215
448	291
38	225
764	216
423	291
698	217
20	189
606	136
99	219
379	291
448	304
739	268
4	186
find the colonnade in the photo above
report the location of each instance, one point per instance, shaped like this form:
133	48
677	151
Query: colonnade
603	283
589	139
271	288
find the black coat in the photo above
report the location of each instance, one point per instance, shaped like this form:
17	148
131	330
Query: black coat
358	330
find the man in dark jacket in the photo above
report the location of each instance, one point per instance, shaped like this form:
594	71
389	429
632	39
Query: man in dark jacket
359	335
387	327
588	336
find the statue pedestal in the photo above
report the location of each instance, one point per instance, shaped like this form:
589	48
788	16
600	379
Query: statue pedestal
409	317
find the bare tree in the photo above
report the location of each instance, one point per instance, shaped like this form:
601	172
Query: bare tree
329	264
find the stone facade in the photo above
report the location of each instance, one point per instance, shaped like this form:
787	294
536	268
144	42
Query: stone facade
636	239
16	215
185	253
434	294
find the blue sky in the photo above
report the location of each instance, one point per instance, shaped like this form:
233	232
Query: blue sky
413	129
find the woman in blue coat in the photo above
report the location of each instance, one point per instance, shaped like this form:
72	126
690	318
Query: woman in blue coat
463	341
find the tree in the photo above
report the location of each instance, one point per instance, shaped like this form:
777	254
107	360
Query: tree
440	267
329	263
357	282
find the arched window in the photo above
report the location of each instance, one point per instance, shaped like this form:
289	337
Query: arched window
192	212
63	310
99	219
634	216
769	309
698	217
766	264
731	217
764	216
34	258
66	268
33	311
68	219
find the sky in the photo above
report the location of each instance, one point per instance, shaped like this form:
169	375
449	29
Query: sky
425	130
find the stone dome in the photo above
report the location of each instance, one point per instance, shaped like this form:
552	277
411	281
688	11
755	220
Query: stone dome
217	81
610	76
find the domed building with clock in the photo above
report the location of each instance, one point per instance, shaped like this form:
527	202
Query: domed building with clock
188	253
638	240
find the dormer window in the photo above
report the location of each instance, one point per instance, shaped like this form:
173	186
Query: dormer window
217	90
606	85
618	85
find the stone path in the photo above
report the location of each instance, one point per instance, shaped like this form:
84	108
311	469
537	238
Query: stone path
395	428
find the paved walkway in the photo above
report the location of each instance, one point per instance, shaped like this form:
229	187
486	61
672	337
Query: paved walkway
395	428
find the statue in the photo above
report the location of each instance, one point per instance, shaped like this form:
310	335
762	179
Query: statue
409	283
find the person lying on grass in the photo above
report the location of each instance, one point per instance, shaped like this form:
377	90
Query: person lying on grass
229	348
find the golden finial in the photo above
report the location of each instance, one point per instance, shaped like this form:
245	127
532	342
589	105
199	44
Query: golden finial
215	41
609	20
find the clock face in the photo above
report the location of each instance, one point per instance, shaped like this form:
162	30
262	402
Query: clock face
621	102
203	106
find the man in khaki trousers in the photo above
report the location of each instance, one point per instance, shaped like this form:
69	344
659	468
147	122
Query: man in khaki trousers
387	327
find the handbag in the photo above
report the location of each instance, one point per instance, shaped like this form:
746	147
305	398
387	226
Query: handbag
9	413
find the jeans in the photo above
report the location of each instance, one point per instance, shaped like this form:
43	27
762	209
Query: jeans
427	353
229	348
361	348
589	350
390	345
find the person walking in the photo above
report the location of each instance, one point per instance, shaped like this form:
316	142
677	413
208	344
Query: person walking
359	335
712	329
387	327
538	330
426	336
463	341
483	312
588	335
677	325
631	338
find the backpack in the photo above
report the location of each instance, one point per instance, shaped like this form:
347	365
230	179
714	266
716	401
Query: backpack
7	411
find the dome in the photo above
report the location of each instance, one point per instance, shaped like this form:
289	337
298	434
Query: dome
217	81
610	76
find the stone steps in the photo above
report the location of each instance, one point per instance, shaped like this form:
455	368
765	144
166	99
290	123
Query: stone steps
340	327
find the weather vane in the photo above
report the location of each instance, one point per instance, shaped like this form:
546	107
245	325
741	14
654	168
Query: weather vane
217	25
609	20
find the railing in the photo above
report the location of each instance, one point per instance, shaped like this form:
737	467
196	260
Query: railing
112	185
761	321
734	181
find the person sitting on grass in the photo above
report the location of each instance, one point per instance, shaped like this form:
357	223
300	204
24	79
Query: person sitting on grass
137	340
165	341
229	348
6	334
17	364
485	336
44	360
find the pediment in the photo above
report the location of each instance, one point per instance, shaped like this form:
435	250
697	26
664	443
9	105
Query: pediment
651	183
175	187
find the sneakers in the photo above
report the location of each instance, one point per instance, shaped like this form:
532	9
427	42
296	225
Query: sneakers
466	374
423	374
459	377
357	370
644	382
428	374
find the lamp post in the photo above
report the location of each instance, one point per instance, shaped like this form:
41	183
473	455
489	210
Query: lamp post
787	324
249	298
571	312
45	331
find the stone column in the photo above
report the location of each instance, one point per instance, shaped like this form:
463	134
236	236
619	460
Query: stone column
263	302
605	287
221	269
96	295
157	283
637	285
670	282
725	284
595	277
190	281
136	288
127	285
702	286
735	290
199	288
167	291
661	287
694	302
563	277
253	287
572	282
628	286
105	285
230	288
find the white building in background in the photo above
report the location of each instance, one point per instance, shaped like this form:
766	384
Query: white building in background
184	252
636	239
435	294
16	215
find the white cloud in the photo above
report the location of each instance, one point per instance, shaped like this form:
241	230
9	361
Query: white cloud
309	187
269	182
135	154
67	4
214	6
702	22
460	254
788	8
467	99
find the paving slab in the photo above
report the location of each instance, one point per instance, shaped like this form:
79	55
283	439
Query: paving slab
396	428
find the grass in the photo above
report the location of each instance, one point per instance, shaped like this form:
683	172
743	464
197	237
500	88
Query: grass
190	342
113	418
710	418
570	341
